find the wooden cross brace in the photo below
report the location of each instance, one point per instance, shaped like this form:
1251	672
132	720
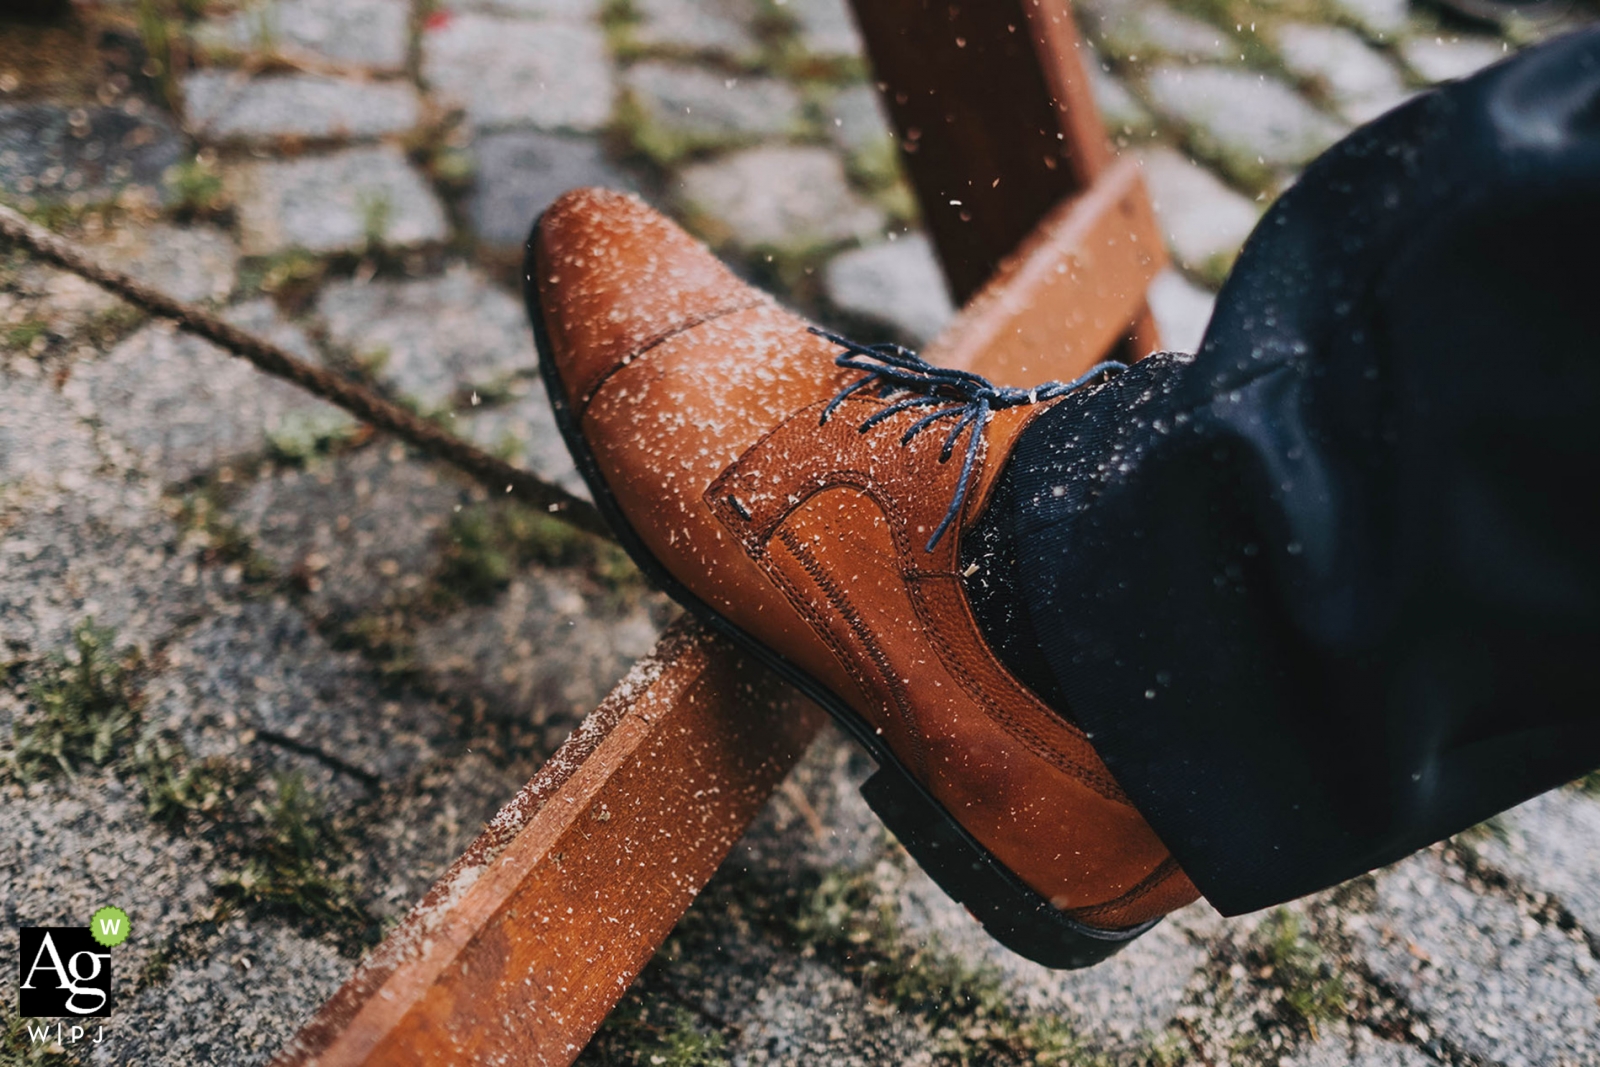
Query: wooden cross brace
520	950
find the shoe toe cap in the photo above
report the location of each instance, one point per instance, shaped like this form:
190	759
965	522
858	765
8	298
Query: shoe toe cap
611	277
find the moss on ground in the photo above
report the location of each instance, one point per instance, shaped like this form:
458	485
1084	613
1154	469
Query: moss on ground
178	786
85	709
203	514
18	1050
1314	989
288	843
655	1032
306	433
194	187
638	134
292	277
846	919
489	543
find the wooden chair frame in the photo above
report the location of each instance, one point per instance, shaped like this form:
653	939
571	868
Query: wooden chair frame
529	939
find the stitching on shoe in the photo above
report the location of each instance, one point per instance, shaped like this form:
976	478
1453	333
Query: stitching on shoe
1096	778
1156	879
798	601
1093	776
841	603
592	390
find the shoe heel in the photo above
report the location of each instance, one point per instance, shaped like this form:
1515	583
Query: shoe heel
1013	914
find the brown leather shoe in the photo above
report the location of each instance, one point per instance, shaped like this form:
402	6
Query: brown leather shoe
813	523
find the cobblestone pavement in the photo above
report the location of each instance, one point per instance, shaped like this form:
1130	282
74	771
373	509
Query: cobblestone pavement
317	662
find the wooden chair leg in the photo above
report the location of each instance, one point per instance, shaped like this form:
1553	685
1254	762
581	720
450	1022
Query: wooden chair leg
996	121
998	130
520	950
1070	294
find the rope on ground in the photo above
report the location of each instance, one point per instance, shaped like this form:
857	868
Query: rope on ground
495	473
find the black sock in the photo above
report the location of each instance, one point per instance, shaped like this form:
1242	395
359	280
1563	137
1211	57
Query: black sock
989	564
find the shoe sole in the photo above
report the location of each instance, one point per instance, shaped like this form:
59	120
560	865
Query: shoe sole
1012	912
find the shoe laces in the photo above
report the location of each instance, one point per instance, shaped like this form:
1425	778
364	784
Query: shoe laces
969	400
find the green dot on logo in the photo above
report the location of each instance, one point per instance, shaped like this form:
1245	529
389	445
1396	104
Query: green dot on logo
109	926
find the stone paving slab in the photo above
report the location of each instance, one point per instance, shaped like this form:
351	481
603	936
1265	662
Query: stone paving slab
176	406
49	152
1202	219
44	448
804	1012
1181	309
1551	843
824	27
1357	1047
519	173
258	667
1119	108
194	263
358	532
684	108
334	203
237	1000
373	34
512	72
1241	117
573	10
1485	974
1382	20
76	844
719	28
1131	30
1121	1003
1360	81
1446	58
523	429
897	284
45	309
104	548
433	339
546	650
856	120
227	105
780	197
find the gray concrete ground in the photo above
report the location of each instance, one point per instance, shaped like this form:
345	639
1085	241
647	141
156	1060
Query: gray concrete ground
262	675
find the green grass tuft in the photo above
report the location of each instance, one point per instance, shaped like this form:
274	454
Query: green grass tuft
291	275
287	865
846	919
306	433
196	190
202	512
176	785
87	708
657	1033
489	543
377	212
1312	987
25	333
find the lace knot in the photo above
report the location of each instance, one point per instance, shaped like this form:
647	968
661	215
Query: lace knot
969	400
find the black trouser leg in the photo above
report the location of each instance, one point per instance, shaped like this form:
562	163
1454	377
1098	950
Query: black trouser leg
1330	590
